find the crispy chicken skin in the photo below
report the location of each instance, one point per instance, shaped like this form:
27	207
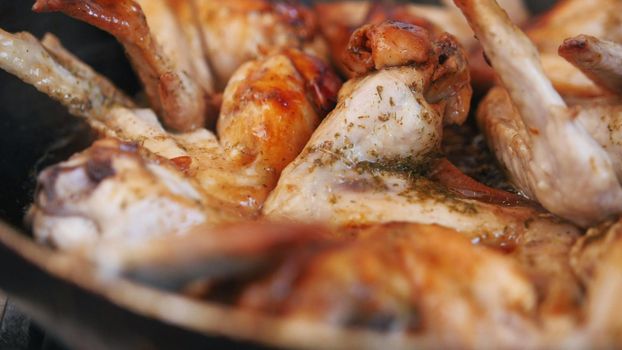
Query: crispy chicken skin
548	148
338	21
270	108
404	278
166	73
184	51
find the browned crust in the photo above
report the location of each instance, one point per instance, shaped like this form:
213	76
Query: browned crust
179	102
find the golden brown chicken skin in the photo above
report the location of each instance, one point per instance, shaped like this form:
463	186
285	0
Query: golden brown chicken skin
169	83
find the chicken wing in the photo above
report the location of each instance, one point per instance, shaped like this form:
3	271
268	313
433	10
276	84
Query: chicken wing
541	141
569	18
270	109
365	162
338	20
167	72
53	71
597	258
374	160
598	59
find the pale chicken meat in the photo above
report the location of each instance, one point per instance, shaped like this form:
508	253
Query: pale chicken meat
597	260
110	192
186	51
547	146
270	109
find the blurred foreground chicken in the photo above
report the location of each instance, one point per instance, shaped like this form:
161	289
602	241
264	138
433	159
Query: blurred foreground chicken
270	108
564	154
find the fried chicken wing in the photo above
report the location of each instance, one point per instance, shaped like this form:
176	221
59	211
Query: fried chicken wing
203	253
176	88
569	18
111	192
338	20
57	73
597	258
549	152
598	59
363	164
270	109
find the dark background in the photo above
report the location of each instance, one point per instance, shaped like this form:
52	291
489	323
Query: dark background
36	131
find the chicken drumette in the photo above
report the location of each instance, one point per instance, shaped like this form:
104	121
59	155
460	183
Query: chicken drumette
565	154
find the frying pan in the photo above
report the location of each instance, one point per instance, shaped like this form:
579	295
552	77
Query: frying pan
66	296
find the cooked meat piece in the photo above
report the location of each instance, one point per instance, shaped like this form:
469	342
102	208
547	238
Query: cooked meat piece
548	152
569	81
370	161
203	253
363	164
338	20
597	259
589	252
111	192
53	71
598	59
158	50
569	18
235	32
418	279
270	109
